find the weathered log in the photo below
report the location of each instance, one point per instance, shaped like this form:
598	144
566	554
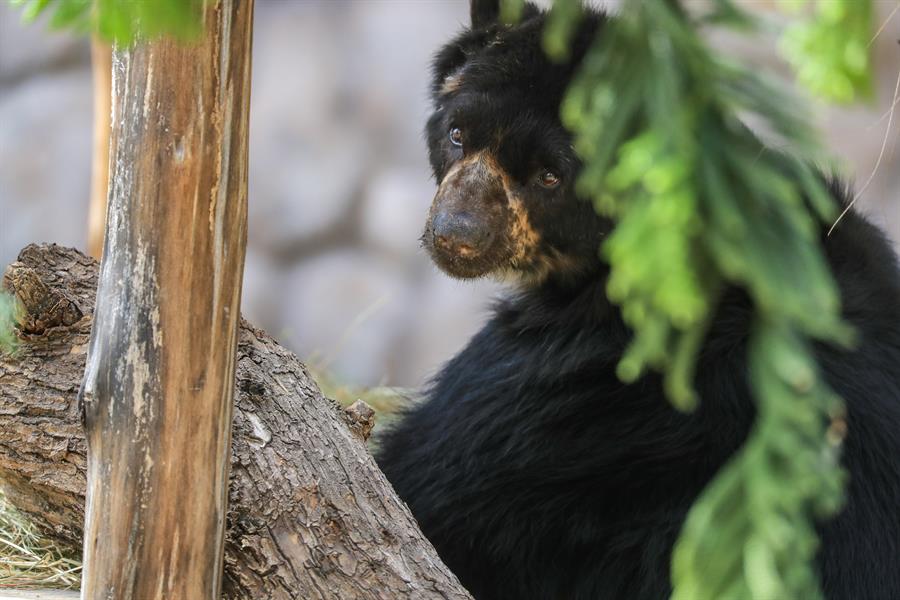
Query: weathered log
310	514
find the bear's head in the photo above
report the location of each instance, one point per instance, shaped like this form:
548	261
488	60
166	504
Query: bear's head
504	163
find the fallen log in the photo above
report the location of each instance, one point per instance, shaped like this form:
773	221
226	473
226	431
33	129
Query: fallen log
310	514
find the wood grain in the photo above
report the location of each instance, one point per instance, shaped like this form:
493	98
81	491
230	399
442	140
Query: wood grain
160	371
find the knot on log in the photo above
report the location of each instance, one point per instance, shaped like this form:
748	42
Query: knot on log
40	307
361	418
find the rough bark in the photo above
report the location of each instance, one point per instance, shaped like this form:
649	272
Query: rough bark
159	378
310	514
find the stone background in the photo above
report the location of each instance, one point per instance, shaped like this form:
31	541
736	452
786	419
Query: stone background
339	182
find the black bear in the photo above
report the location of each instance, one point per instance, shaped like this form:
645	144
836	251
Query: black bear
535	472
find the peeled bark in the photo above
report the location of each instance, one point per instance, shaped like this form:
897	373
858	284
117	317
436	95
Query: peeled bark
310	515
158	382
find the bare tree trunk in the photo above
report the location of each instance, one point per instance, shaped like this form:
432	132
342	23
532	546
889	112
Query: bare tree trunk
160	371
101	66
310	514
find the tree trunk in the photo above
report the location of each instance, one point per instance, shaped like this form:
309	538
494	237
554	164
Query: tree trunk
101	67
159	378
310	514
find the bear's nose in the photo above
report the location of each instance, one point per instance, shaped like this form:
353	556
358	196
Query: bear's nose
461	234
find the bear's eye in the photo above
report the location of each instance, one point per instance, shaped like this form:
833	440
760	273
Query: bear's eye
456	136
548	179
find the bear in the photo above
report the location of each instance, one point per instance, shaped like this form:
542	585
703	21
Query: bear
534	471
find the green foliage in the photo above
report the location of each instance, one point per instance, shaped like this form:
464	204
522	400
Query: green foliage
8	309
750	535
511	10
120	21
831	52
700	204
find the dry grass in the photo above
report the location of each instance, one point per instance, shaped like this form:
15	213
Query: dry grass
386	401
30	561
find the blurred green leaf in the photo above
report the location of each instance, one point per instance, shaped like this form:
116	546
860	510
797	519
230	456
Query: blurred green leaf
511	10
8	310
830	52
119	21
561	23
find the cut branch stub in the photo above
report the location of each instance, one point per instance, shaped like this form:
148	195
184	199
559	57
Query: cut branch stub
361	419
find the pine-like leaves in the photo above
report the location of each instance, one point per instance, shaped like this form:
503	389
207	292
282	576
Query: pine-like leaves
700	204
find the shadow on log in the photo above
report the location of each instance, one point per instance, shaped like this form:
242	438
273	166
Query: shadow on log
310	514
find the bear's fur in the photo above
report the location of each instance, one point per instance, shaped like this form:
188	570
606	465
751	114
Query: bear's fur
535	472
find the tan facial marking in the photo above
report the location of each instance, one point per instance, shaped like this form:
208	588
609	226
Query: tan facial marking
497	199
451	83
479	160
541	268
523	237
490	163
556	262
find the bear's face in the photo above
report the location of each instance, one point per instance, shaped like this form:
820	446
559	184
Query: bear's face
505	166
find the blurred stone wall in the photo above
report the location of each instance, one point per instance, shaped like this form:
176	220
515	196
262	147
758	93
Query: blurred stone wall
339	181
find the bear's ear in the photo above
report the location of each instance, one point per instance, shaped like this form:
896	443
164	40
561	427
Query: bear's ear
484	12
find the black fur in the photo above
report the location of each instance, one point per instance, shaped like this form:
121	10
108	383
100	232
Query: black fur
534	471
